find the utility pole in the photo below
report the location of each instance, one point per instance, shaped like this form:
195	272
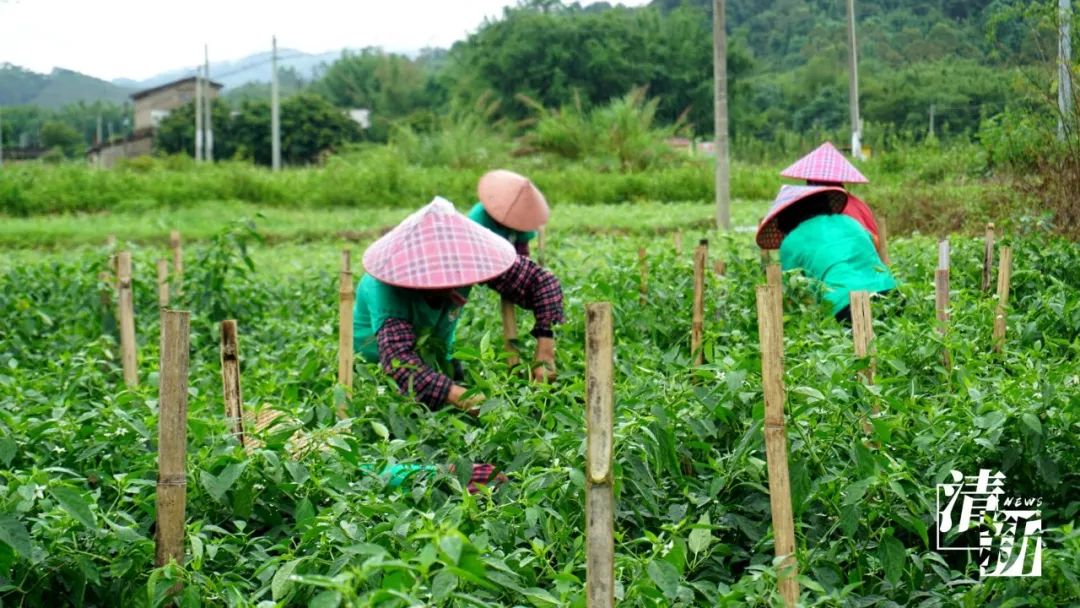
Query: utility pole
275	118
208	100
720	116
853	84
198	115
1065	98
931	133
1	137
97	135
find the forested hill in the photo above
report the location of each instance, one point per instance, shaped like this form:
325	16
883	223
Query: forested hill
787	33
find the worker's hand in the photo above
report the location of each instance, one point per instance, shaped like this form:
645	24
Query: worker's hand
470	405
544	360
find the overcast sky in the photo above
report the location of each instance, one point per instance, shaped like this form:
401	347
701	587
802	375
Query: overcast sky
140	38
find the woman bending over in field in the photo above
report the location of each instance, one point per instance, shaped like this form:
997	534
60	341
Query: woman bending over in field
418	279
813	234
826	166
511	207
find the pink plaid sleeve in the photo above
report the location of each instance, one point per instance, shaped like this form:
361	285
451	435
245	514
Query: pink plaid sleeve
534	288
398	358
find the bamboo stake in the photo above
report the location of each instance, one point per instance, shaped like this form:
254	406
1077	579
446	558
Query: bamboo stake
1004	278
941	303
345	336
541	237
178	259
510	333
599	491
643	266
127	320
677	239
230	380
883	241
943	254
346	261
163	283
862	329
771	339
697	326
172	439
775	278
988	257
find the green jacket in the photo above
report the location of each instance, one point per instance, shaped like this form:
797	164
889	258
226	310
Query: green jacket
435	326
479	215
837	251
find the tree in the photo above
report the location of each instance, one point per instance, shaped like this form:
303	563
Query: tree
61	136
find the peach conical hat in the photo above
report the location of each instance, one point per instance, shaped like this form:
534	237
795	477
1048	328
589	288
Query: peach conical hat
825	164
438	248
512	200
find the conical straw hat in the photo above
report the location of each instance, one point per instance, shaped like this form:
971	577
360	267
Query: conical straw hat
512	200
825	164
768	233
438	248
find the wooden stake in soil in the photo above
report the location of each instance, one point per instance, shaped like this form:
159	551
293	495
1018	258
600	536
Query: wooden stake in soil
775	278
883	241
177	259
127	320
1004	278
677	240
345	336
230	380
643	266
988	257
697	326
510	334
346	261
771	339
941	304
163	283
541	237
599	423
943	254
172	438
862	330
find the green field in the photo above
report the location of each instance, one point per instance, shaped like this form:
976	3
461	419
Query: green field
693	524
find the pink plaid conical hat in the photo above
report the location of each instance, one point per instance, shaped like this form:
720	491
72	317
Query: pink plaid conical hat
825	164
438	248
512	200
769	234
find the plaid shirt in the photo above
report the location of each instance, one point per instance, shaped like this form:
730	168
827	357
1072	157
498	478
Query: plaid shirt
525	284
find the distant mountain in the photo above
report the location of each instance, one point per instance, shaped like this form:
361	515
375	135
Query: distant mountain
61	87
253	68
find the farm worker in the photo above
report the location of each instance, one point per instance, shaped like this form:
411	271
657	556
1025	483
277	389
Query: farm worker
418	279
809	226
395	475
511	207
826	166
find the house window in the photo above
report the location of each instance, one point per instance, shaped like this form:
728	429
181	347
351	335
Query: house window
156	116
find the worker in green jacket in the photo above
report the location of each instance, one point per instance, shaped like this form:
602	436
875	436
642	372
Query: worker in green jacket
807	224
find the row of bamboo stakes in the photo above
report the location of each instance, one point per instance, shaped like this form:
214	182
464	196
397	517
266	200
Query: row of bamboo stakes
175	329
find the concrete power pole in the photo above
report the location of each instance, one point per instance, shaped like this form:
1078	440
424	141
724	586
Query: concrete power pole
1065	98
198	115
208	101
853	84
720	116
1	137
275	118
